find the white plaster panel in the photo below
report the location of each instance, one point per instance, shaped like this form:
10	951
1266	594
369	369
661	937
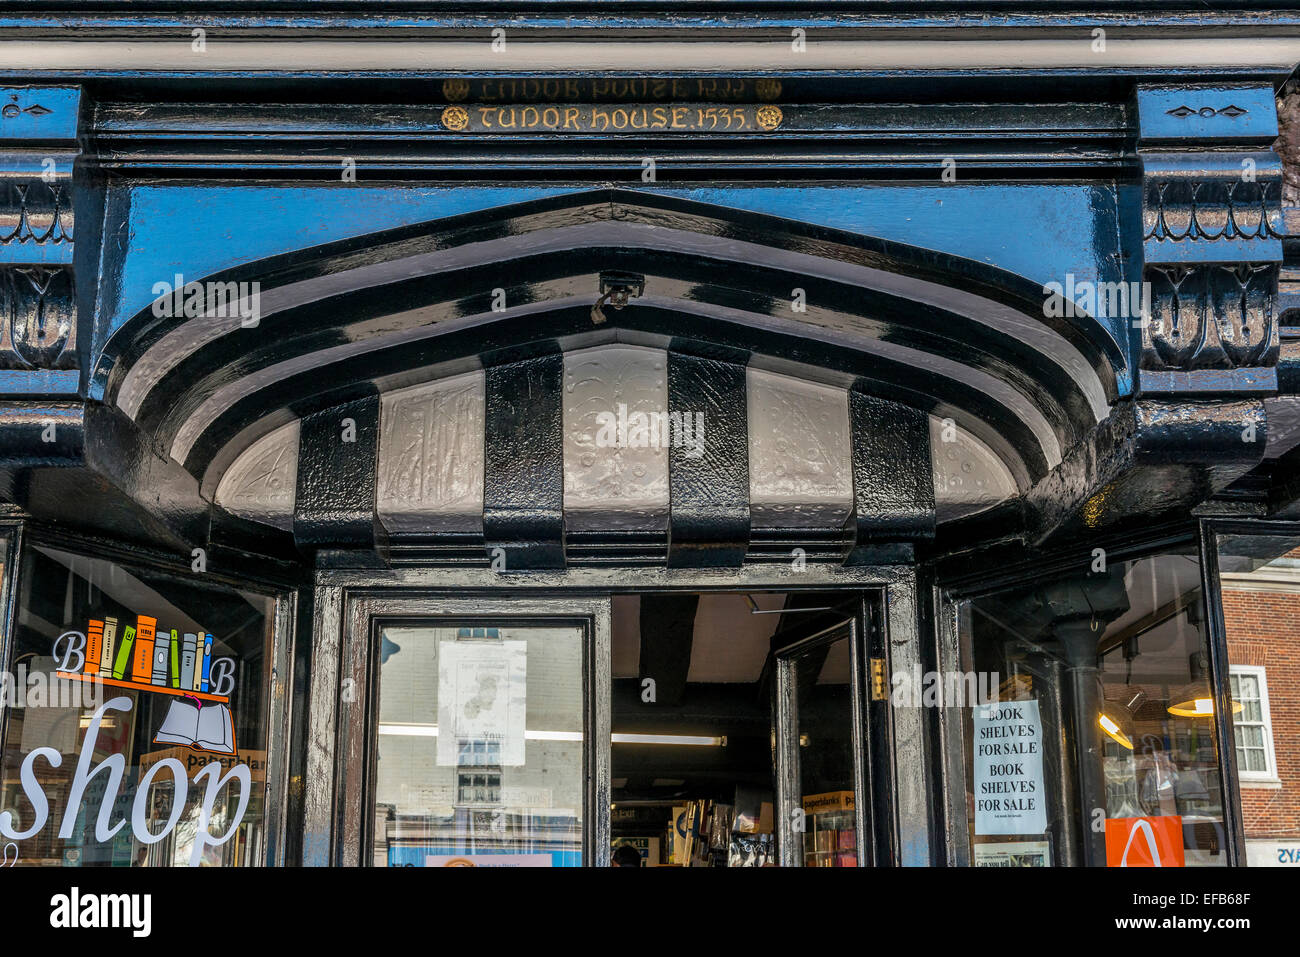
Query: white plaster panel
261	485
431	456
615	479
800	457
968	476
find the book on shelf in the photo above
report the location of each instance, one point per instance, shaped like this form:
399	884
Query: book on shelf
174	657
94	644
188	646
162	649
123	660
202	675
106	649
142	663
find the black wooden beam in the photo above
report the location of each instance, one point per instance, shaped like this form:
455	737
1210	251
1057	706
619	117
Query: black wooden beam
667	634
708	522
338	457
523	463
893	483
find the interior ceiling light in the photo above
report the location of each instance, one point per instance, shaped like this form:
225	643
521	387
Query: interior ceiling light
1201	706
694	740
1116	718
1112	728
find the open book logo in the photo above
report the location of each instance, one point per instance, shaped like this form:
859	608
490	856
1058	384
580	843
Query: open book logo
202	727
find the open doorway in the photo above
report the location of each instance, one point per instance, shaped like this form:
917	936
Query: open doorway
740	729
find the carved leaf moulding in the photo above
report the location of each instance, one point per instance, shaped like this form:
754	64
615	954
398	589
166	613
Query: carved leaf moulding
36	212
1213	210
38	318
1211	317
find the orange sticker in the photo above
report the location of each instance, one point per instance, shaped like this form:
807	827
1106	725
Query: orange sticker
1144	841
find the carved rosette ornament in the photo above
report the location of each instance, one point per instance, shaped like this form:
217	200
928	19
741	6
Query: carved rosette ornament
1211	239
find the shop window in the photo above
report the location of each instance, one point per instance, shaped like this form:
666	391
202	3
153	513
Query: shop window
1101	749
136	717
1259	582
1252	727
480	747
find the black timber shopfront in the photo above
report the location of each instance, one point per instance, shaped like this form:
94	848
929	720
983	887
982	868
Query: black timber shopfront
426	437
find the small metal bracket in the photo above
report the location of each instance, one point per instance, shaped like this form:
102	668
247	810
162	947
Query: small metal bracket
616	289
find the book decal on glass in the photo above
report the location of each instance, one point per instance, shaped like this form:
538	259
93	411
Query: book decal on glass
94	643
146	658
142	659
203	727
106	650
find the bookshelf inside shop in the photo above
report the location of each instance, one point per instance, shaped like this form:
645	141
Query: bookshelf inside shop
707	833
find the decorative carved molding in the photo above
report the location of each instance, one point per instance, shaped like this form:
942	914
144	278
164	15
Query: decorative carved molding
1205	112
1219	316
1212	209
38	304
35	211
16	107
1212	230
38	318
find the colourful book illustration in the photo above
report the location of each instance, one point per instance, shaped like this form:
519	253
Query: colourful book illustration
106	652
188	648
94	646
161	654
142	660
175	659
124	653
207	662
204	728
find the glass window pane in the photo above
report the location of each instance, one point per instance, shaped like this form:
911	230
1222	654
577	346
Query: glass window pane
1259	577
822	677
161	682
480	757
1105	706
1250	736
1246	687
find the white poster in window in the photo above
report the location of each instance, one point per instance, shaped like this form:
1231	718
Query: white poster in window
482	697
1008	746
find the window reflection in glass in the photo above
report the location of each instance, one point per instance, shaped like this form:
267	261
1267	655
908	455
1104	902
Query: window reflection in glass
1259	577
1112	668
159	685
480	755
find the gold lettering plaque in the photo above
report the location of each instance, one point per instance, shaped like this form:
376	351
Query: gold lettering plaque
616	90
611	118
